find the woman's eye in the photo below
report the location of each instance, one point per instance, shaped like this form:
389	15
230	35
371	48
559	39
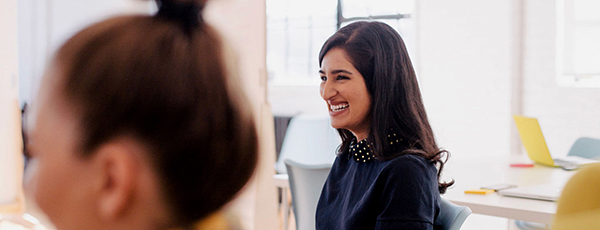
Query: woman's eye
323	78
341	77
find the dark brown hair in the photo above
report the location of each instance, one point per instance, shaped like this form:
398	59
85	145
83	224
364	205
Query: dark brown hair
151	78
378	52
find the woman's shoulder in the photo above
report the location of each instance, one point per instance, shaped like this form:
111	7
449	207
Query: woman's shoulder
410	165
409	160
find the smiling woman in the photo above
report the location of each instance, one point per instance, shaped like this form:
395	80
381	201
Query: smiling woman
386	175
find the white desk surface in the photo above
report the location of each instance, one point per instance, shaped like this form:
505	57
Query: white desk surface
476	172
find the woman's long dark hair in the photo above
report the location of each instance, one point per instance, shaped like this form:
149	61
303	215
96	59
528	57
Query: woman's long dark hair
378	52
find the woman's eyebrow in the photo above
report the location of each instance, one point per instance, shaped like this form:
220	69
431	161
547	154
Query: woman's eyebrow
336	71
340	71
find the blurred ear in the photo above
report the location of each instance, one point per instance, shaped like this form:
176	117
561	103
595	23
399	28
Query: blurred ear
118	164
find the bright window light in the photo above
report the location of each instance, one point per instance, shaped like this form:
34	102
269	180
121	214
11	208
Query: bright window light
296	30
578	46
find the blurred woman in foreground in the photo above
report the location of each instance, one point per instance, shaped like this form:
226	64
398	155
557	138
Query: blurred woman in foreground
137	126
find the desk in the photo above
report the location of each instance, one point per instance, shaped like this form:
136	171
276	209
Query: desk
481	171
476	172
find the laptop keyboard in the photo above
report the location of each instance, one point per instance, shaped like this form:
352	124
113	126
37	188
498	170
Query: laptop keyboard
564	163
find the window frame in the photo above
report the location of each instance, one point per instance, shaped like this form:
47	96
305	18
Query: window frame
340	20
572	78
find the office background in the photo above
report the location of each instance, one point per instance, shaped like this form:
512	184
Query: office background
477	62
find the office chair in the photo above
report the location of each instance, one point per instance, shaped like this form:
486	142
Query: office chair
308	140
579	203
585	147
306	184
451	216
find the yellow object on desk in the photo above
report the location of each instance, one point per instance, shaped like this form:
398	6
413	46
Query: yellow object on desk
579	204
480	191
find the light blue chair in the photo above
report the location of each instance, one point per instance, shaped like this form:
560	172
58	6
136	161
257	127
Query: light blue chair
585	147
306	184
451	216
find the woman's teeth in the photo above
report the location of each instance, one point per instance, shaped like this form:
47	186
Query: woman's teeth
339	107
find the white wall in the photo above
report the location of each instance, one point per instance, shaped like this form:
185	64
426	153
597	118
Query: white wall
11	165
464	56
565	114
293	100
43	26
32	45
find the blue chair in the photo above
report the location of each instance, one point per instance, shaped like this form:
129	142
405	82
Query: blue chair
306	184
451	216
585	147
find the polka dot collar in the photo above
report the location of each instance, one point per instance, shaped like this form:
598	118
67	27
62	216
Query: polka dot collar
361	151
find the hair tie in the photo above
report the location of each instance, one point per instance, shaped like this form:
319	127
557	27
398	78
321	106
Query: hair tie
185	13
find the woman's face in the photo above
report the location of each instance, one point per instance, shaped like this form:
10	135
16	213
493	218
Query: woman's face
344	90
61	180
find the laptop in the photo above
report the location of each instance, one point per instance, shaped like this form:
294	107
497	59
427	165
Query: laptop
537	192
535	144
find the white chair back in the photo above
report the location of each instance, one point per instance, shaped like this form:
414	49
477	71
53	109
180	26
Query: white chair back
306	184
309	140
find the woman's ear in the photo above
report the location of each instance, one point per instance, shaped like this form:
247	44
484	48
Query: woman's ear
118	165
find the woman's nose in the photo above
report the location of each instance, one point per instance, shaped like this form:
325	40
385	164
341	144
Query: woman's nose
328	90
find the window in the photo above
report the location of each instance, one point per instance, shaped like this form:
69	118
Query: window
296	30
578	46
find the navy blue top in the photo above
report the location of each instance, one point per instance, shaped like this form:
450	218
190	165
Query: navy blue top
401	193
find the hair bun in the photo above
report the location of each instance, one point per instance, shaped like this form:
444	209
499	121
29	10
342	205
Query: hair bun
186	13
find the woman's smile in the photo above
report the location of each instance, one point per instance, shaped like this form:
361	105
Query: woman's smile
338	108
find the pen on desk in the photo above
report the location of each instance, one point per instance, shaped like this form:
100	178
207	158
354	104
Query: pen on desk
480	191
